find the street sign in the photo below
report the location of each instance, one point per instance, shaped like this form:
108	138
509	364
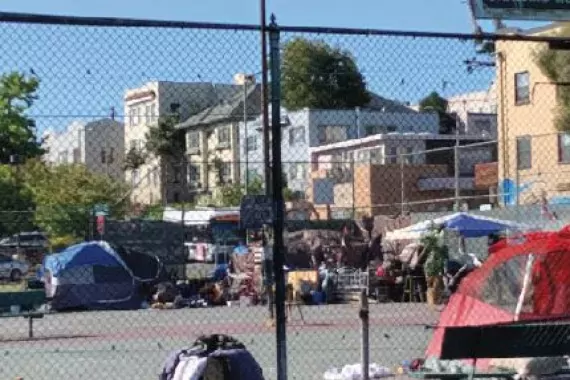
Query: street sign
256	211
101	209
537	10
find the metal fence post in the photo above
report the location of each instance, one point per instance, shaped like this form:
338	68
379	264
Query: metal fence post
365	344
278	204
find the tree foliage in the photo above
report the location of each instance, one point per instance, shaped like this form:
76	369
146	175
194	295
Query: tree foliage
134	159
16	203
164	140
555	64
434	102
64	196
316	75
17	133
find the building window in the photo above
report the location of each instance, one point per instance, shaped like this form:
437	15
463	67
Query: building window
137	115
135	177
103	156
131	117
153	112
176	173
370	130
251	143
330	134
147	114
296	171
392	155
193	141
193	174
408	153
297	135
226	172
224	137
62	157
111	156
524	152
564	148
522	88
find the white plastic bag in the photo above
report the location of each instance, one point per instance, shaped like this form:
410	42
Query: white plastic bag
353	372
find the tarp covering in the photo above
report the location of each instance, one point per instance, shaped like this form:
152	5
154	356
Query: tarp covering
89	275
526	280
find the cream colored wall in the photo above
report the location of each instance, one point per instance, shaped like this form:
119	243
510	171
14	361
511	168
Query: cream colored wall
535	119
209	150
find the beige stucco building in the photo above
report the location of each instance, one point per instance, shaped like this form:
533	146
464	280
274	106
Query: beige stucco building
531	153
154	182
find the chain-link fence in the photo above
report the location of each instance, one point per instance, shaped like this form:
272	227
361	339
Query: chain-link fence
147	135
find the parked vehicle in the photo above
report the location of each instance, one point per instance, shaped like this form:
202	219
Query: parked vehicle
26	240
12	269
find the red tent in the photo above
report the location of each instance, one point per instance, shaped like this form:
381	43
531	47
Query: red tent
527	280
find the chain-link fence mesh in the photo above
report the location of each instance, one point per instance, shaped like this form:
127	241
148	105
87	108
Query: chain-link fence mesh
147	136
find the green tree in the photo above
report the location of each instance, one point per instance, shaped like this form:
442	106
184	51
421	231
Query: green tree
438	104
17	132
555	64
134	159
65	195
16	203
316	75
163	139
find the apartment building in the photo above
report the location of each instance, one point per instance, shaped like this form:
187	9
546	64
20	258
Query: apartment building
308	128
155	182
376	174
99	145
533	156
212	140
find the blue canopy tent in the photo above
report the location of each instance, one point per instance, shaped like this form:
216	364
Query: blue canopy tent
467	225
91	276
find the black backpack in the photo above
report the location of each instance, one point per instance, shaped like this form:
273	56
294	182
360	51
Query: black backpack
227	359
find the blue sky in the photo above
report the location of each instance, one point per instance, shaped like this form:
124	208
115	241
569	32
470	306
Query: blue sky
84	71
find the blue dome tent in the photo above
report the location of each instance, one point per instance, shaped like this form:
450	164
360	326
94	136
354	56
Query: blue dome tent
89	276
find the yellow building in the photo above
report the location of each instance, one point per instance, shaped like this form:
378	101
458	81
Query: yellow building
532	153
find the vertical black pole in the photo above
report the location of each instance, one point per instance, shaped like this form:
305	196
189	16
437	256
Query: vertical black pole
278	204
265	130
264	100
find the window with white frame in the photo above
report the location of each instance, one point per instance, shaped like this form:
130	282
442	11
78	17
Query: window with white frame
251	144
329	134
408	157
522	87
226	172
194	174
224	136
297	135
193	141
153	112
137	119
